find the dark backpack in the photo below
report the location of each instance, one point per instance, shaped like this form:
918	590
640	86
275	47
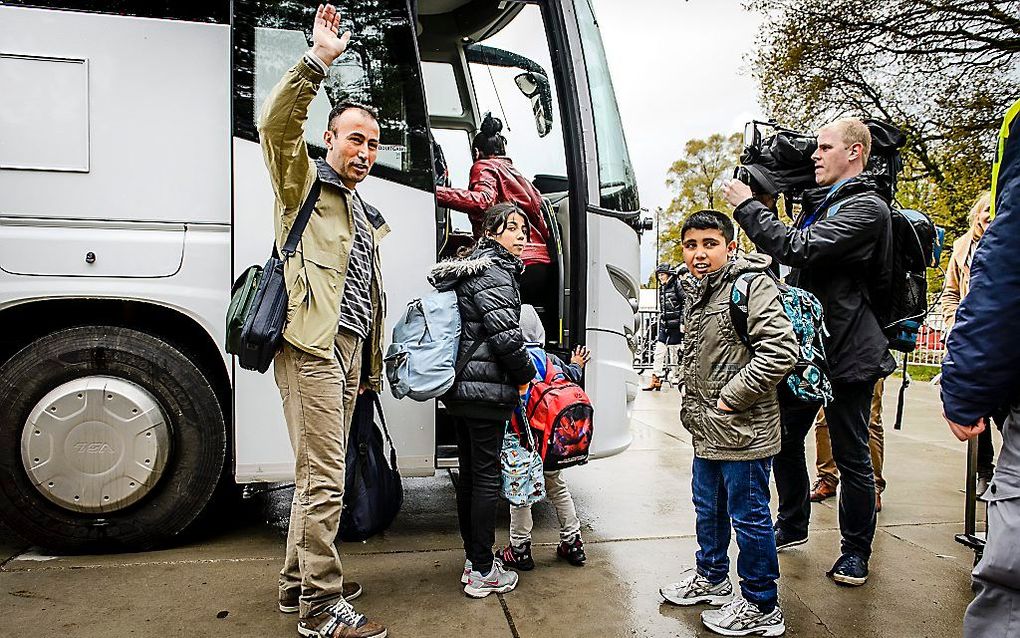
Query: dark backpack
915	249
809	379
373	492
562	416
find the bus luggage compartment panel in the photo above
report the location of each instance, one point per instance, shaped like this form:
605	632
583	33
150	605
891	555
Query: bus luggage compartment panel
64	248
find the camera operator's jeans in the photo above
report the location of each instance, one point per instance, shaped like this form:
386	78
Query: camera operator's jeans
848	416
824	463
737	493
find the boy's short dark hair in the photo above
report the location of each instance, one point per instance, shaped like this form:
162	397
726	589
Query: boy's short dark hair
709	220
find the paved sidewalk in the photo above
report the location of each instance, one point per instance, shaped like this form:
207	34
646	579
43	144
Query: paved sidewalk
638	523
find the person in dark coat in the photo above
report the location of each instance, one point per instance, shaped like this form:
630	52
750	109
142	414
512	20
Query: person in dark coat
488	388
842	253
670	332
981	377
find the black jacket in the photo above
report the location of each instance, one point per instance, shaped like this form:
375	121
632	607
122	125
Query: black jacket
671	311
845	259
490	310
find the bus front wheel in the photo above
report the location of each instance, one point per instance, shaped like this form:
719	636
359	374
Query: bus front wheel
110	438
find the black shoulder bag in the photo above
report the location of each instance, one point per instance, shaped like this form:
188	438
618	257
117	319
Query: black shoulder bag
266	310
373	492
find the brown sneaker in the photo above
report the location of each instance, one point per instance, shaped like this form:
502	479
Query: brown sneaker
339	620
821	491
289	603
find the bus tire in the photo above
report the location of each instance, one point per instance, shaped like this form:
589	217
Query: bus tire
191	428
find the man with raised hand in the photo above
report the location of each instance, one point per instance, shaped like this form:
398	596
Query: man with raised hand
333	335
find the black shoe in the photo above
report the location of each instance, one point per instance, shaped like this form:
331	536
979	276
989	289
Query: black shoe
850	570
573	551
785	540
515	558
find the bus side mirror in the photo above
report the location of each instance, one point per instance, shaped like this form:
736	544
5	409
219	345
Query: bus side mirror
535	87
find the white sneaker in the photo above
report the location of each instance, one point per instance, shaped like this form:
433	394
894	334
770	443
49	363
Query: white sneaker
497	581
695	589
467	572
740	618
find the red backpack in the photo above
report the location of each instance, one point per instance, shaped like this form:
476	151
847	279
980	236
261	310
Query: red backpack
561	414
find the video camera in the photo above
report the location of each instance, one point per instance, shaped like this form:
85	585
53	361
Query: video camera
778	160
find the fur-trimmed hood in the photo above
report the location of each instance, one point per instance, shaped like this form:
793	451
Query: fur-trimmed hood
445	274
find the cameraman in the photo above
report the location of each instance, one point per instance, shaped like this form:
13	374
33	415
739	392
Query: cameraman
842	253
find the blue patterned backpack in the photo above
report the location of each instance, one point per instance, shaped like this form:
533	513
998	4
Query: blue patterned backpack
809	379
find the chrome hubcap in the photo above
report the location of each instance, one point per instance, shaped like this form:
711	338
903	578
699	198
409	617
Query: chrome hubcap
95	444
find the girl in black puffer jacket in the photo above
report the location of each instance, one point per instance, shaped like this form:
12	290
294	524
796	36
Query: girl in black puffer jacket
488	387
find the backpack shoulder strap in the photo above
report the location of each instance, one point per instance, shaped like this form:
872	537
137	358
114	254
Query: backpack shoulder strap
550	370
294	236
834	207
467	357
738	305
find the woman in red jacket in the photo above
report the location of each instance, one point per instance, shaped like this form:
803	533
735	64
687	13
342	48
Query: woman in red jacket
495	180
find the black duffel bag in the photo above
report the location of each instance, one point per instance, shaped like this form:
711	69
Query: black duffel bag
373	493
266	312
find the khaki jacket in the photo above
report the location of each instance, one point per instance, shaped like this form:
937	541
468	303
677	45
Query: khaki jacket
315	275
957	283
717	364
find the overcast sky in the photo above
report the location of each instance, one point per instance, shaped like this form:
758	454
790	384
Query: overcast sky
680	72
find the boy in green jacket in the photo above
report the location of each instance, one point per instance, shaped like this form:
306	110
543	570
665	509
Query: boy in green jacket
730	408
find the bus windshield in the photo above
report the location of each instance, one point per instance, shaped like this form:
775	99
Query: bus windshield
617	184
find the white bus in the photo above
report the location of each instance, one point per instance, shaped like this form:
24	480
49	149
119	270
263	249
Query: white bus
133	191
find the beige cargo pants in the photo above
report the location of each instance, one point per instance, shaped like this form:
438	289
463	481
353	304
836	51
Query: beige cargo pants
318	404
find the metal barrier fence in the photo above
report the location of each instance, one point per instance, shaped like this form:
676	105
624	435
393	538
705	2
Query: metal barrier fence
931	341
646	340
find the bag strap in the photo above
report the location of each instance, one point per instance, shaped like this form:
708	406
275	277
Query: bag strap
526	425
386	431
738	306
294	236
550	370
467	357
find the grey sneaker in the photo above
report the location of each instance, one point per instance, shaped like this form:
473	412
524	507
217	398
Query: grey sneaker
740	618
695	588
339	620
497	581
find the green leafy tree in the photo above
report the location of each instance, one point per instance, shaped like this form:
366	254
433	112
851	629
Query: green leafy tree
941	70
695	180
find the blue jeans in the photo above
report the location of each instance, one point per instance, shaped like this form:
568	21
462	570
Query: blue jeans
737	493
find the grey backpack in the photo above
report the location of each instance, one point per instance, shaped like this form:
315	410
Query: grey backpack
421	362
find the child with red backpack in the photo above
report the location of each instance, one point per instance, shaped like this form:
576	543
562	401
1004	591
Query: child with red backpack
552	372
